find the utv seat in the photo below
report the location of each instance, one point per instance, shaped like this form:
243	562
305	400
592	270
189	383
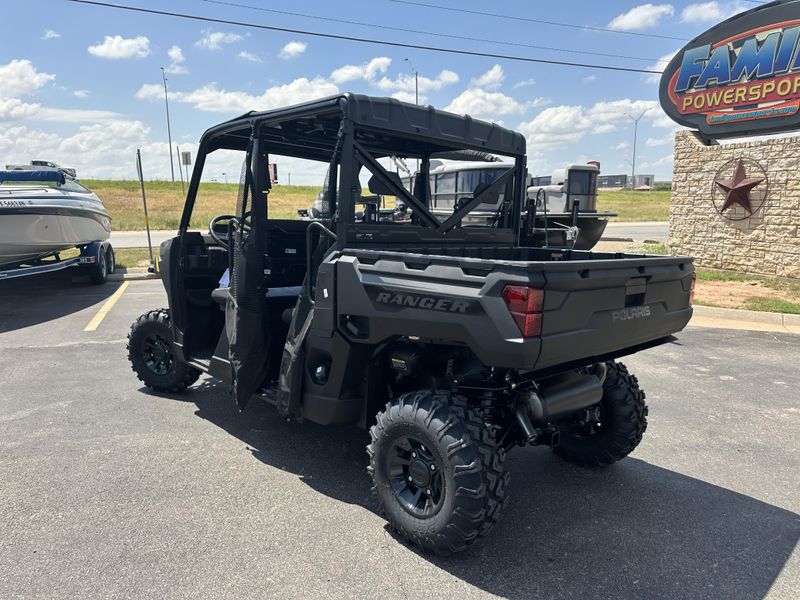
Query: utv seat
220	296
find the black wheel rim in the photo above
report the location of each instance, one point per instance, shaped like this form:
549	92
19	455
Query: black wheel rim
157	354
416	477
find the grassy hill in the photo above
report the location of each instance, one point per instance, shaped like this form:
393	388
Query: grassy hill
165	203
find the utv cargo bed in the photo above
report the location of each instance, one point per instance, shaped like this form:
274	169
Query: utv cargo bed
596	305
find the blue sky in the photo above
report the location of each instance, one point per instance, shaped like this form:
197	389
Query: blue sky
81	85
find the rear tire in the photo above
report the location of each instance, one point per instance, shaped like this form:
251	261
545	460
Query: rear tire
437	472
111	259
622	425
152	357
98	273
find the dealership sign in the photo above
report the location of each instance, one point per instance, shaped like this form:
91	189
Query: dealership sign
742	77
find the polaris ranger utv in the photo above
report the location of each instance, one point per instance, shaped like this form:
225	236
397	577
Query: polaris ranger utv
451	343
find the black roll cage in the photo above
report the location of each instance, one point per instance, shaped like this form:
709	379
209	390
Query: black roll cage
350	131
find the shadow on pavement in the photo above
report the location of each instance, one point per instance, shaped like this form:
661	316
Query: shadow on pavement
633	530
36	299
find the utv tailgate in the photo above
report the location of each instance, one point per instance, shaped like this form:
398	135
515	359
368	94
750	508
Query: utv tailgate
601	307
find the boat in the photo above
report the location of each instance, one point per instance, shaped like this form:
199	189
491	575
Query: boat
562	213
44	211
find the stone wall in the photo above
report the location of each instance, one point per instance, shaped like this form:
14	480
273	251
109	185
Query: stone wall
766	242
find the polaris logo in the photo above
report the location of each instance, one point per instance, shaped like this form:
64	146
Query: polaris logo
424	302
628	314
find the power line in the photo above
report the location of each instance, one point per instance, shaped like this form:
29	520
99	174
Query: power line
540	21
363	40
431	33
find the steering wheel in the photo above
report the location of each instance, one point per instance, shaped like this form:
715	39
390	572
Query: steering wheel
212	227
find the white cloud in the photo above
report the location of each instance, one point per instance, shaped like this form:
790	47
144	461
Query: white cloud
49	34
559	126
20	78
491	80
621	146
117	47
292	49
176	60
368	71
407	82
81	93
213	40
644	16
525	83
14	109
589	79
662	141
704	12
484	105
99	150
213	99
659	65
664	161
556	126
249	56
409	97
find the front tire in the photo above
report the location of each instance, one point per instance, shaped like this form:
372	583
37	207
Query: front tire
623	421
437	472
151	355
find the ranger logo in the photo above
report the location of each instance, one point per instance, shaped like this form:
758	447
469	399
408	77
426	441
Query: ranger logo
628	314
400	300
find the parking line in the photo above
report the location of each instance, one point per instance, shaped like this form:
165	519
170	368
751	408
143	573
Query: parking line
107	306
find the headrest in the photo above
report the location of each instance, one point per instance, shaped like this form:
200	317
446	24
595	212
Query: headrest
376	186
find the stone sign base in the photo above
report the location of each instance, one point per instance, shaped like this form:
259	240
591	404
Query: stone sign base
714	225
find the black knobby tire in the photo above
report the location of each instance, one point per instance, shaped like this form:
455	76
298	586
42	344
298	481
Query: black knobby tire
623	423
151	356
98	273
468	487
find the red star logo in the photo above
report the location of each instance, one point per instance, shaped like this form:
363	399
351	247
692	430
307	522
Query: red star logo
737	188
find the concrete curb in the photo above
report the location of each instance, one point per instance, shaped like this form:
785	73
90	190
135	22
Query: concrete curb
616	239
133	275
752	318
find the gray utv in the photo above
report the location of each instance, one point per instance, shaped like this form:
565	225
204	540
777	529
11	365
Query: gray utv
451	343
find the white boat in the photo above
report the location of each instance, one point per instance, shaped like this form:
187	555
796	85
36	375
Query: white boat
44	211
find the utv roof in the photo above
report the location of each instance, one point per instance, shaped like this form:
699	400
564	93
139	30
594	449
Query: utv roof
384	125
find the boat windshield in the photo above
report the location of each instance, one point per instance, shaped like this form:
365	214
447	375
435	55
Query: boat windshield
68	185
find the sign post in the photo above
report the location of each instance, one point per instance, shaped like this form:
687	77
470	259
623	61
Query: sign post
153	263
186	161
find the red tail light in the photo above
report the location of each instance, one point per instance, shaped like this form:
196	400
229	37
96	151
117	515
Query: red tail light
525	304
691	289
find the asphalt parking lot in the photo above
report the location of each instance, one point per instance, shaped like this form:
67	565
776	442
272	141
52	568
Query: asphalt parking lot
111	491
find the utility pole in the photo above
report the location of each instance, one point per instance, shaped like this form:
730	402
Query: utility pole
416	80
225	175
169	131
635	135
416	89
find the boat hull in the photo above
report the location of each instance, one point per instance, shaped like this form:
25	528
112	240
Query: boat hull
34	228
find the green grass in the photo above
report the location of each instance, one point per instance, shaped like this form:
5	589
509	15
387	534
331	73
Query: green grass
123	198
657	249
635	206
704	275
770	282
133	257
772	305
165	202
123	257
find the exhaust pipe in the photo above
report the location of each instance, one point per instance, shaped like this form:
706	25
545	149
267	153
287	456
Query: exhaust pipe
565	394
